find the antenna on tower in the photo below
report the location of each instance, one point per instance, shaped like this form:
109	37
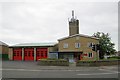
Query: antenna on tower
73	14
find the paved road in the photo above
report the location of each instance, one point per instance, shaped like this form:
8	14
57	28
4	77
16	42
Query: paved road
24	73
19	69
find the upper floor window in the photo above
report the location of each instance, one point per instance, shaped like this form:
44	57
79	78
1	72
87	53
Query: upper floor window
77	45
65	45
90	44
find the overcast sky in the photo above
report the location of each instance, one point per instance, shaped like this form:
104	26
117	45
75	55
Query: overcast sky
47	20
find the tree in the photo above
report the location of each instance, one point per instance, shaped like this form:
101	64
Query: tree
105	44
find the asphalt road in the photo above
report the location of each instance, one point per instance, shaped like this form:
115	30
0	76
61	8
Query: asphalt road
19	73
19	69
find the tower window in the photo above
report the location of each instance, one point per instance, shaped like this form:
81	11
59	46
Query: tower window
77	45
65	45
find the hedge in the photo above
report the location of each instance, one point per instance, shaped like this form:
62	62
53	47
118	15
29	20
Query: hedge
114	57
53	62
98	63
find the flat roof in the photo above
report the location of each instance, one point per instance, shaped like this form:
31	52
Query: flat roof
34	44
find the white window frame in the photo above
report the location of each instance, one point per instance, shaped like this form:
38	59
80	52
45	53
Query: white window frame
77	45
88	44
65	45
90	54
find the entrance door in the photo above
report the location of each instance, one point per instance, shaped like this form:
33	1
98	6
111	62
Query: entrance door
17	54
77	56
71	58
41	53
29	54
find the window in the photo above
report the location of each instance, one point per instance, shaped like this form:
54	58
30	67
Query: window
90	45
17	53
45	54
41	54
25	53
14	54
90	55
77	45
29	54
65	45
20	54
33	54
37	54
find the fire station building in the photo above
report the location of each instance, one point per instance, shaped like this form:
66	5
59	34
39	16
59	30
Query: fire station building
77	47
31	51
73	47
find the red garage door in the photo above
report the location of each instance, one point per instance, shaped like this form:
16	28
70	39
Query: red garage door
29	54
17	54
41	53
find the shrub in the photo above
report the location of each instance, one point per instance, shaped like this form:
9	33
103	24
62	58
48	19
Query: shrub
53	62
98	63
86	61
114	57
51	59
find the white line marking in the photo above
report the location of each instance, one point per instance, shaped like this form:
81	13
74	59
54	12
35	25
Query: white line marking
97	74
14	69
33	70
108	70
60	70
20	70
37	70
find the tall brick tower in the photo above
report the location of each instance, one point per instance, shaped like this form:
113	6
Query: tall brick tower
73	25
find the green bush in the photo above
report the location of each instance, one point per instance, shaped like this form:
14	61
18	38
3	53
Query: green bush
86	61
51	59
114	57
98	63
53	62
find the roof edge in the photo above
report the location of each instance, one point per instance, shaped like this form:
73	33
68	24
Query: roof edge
3	44
34	44
78	35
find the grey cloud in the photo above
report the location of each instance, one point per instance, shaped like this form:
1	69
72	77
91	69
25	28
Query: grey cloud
32	20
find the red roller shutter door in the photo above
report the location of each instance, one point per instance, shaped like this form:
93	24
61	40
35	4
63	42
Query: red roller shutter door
17	54
29	54
41	53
